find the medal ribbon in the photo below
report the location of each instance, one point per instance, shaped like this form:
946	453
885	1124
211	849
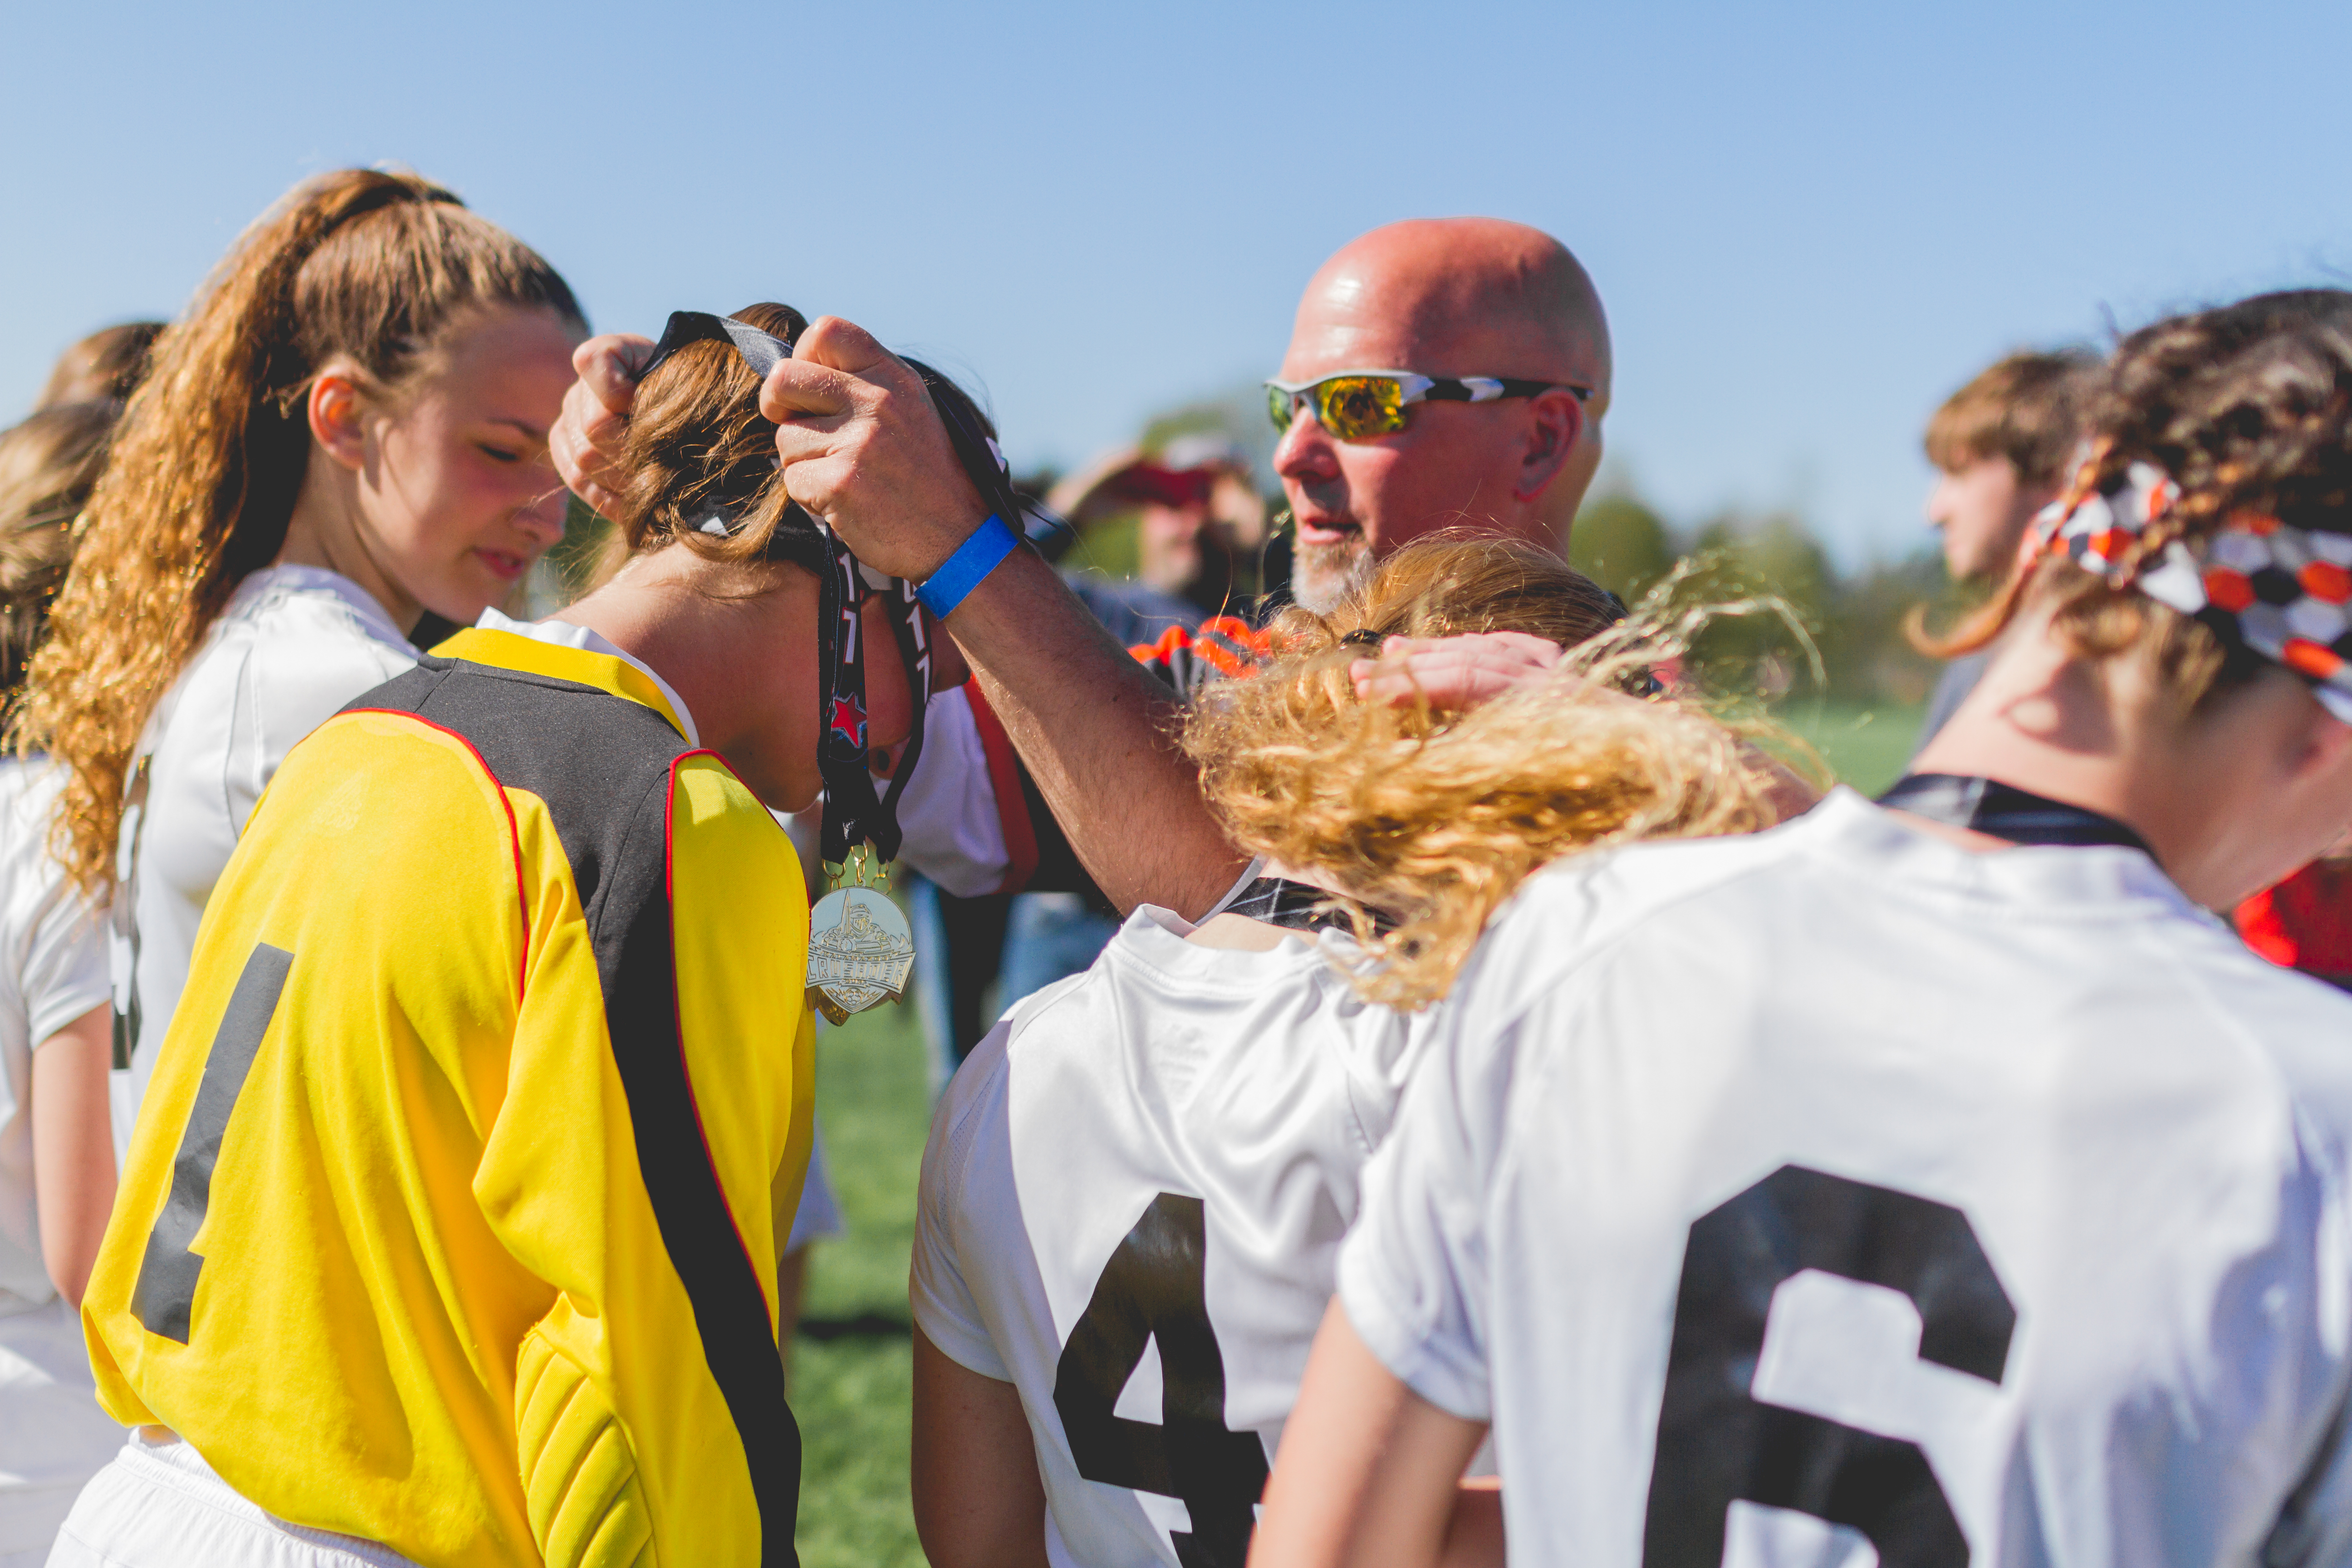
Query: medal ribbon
854	814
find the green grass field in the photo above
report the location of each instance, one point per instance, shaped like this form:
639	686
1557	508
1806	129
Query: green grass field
1865	746
850	1387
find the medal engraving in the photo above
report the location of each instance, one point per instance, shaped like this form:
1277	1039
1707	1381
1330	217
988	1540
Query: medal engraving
860	952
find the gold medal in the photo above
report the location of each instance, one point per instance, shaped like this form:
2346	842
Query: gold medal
860	950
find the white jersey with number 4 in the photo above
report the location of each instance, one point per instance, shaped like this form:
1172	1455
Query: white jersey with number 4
1131	1209
1837	1194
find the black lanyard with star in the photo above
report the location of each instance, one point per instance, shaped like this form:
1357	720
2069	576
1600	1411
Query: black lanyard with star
854	813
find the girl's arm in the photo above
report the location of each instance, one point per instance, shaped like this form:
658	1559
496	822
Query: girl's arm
73	1147
979	1502
1369	1470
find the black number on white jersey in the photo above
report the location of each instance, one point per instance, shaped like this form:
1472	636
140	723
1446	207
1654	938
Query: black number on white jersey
166	1291
124	916
1155	1287
1717	1443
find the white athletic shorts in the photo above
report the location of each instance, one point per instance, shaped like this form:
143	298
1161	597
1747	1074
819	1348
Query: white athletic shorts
53	1436
160	1506
819	1214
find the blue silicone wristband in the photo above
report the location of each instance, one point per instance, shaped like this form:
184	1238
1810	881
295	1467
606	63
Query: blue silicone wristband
959	573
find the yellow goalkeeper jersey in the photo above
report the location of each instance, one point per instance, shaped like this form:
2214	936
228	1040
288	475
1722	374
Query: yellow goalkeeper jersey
454	1210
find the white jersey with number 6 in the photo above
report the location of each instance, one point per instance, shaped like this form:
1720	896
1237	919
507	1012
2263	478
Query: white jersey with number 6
1838	1195
1131	1209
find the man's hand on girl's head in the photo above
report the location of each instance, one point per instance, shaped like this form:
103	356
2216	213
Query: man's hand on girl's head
1453	672
587	438
862	449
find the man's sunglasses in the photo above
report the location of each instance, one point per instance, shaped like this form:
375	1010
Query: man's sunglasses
1356	405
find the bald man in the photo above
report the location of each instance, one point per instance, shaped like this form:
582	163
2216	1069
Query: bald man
1444	298
1450	301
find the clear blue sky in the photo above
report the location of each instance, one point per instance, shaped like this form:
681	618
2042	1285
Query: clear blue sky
1809	222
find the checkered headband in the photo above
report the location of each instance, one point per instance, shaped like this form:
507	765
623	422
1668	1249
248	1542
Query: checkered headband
2285	593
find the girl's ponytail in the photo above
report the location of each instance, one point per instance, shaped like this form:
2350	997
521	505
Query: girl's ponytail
363	264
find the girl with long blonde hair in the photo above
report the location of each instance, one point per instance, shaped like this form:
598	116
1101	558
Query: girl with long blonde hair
1931	1178
1166	1149
347	432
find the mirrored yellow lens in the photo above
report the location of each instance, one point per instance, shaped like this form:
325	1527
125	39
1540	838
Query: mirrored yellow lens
1354	406
1279	406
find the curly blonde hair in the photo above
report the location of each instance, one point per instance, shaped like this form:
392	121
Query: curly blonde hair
371	265
1435	818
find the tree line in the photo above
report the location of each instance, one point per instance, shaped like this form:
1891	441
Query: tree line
1856	620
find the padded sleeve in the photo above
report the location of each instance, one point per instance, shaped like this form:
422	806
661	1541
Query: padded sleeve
657	1121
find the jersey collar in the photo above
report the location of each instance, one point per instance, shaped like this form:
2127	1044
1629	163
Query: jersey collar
565	651
317	582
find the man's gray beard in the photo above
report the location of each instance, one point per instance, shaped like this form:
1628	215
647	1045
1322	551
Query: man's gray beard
1323	574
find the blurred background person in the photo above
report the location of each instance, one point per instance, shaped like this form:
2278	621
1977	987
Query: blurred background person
1196	517
2305	923
57	1149
103	367
1183	513
2000	445
346	432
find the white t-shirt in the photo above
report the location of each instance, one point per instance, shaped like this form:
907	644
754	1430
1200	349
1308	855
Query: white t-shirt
1130	1208
950	823
52	971
1771	1194
292	646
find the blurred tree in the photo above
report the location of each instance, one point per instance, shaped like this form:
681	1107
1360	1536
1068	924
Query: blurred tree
1878	660
1737	559
1620	544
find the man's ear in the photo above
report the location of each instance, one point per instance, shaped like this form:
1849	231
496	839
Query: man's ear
335	408
1555	421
